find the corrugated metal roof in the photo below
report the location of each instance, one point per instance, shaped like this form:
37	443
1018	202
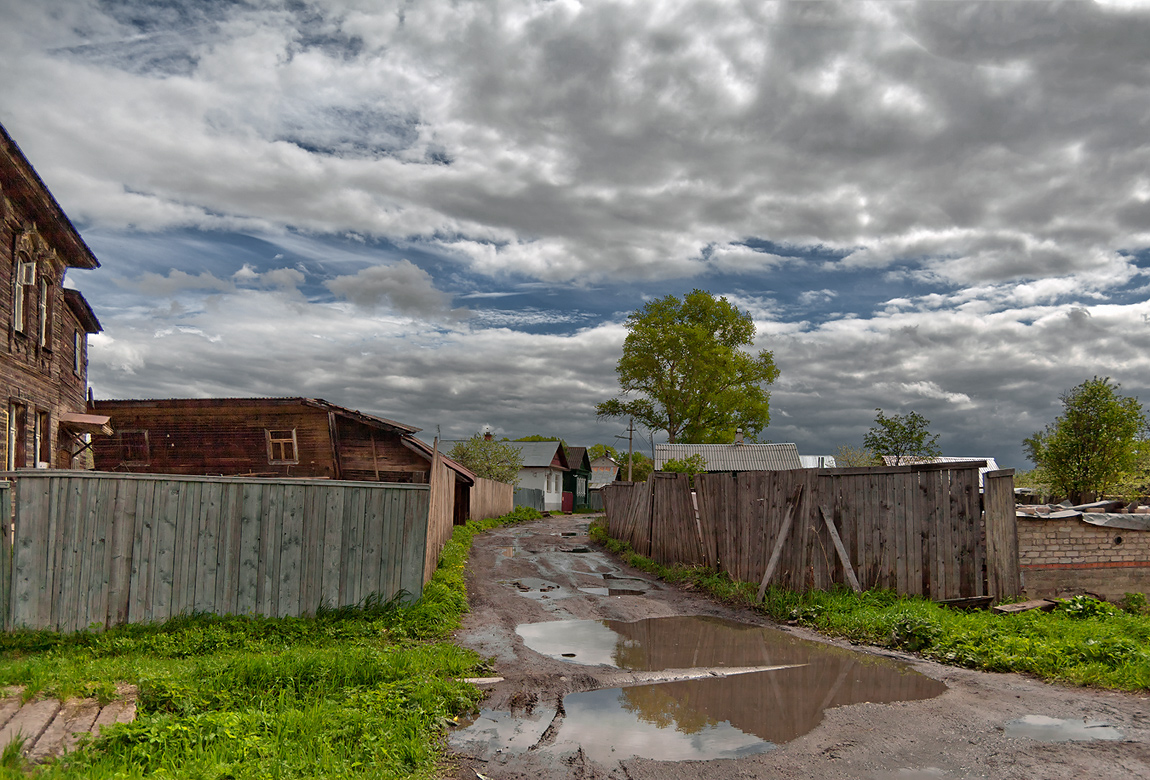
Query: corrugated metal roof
733	457
538	454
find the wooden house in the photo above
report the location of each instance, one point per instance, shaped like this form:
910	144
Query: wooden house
266	437
43	352
544	464
577	479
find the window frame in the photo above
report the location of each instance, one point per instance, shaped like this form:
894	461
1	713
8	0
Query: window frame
275	442
25	278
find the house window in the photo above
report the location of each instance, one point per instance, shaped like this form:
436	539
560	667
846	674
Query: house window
25	283
282	446
43	440
45	322
133	447
78	354
17	438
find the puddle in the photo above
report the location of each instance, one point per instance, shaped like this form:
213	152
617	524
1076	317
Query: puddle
614	591
575	549
538	589
704	718
1045	729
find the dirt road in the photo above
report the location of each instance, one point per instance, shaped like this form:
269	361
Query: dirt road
605	683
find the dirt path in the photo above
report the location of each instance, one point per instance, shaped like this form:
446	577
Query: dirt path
533	573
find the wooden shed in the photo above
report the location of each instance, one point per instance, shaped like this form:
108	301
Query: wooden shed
266	437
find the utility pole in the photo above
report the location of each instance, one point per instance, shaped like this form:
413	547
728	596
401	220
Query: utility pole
630	446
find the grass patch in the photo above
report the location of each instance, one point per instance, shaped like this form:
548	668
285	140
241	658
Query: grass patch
1083	642
361	691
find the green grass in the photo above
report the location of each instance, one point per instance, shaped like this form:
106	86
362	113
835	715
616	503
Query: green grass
1083	642
362	691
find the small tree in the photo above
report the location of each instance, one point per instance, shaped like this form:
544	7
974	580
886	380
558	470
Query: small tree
696	464
901	437
852	457
596	451
1094	444
490	459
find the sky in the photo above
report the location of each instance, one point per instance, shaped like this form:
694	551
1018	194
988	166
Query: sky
442	212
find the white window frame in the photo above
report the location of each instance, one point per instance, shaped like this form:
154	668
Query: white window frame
44	325
78	342
25	277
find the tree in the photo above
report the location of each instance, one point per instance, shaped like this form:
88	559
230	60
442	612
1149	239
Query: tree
641	467
683	362
901	436
1095	442
851	457
490	459
695	464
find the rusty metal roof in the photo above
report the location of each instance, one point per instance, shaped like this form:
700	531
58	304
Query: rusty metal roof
733	457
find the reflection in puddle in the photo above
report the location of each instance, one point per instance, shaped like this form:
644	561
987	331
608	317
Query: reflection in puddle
1046	729
708	717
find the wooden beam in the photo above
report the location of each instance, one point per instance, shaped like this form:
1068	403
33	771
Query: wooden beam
777	552
841	549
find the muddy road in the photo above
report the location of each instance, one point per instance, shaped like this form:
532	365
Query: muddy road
609	673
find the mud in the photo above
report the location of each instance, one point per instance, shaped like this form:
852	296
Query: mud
533	722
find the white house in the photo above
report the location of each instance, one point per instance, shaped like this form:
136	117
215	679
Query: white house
543	465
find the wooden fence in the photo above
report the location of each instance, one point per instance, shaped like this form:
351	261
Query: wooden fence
105	549
440	512
914	529
491	499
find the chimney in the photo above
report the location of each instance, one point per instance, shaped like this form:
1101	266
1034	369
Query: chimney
738	436
487	436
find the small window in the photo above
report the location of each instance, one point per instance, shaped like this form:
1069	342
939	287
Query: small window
282	446
45	323
133	447
25	282
43	440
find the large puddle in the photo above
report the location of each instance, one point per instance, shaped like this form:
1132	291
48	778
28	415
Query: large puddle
728	711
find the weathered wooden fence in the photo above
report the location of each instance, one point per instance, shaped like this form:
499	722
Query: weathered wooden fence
491	499
440	512
97	548
914	529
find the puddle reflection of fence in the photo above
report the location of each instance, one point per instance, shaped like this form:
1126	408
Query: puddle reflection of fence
915	529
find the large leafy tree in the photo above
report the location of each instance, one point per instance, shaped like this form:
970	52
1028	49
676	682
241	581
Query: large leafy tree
901	436
490	459
1095	442
684	371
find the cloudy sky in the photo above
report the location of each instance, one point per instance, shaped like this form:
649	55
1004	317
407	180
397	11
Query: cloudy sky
442	211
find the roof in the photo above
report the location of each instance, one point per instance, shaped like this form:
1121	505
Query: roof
86	423
24	187
84	314
733	457
215	403
540	454
818	461
988	463
577	459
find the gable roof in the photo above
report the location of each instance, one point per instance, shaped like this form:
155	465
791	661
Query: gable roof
733	457
577	459
540	454
23	186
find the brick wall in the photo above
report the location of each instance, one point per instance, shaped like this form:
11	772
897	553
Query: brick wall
1066	557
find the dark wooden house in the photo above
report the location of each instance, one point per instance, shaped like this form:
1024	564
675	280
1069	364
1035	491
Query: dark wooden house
43	354
265	437
577	479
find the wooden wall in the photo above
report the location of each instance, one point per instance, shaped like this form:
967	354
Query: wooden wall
491	499
441	513
914	529
115	548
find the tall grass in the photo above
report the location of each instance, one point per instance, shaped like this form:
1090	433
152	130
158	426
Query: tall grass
362	691
1083	642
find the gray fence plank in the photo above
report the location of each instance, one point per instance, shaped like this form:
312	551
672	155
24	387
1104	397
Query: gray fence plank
291	552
